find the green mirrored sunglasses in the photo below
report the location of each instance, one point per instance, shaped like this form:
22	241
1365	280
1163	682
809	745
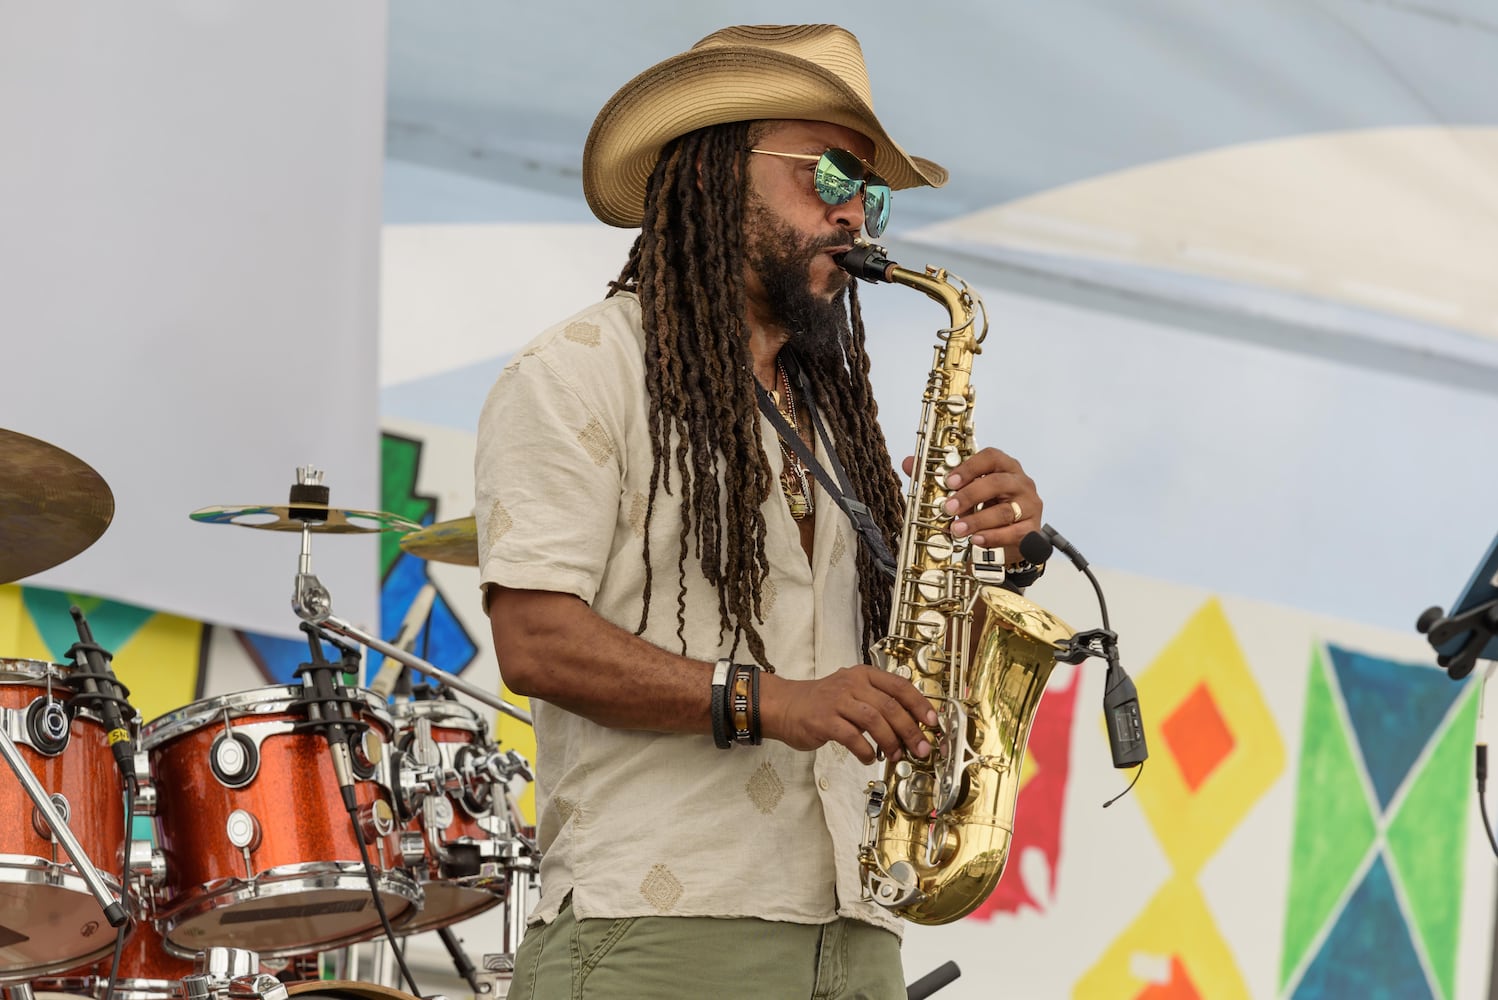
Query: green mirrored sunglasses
839	176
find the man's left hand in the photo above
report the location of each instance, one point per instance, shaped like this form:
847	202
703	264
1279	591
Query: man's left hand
992	500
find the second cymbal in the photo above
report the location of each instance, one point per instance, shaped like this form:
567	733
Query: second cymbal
338	520
455	541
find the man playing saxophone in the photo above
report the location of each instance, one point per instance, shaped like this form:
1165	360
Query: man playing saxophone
687	605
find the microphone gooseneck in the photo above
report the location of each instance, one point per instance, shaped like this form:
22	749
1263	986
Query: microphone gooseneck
1126	740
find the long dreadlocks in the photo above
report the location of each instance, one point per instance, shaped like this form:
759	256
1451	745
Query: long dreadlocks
687	266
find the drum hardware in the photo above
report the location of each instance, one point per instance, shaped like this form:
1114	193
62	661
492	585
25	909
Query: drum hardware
394	675
461	961
232	973
326	705
52	506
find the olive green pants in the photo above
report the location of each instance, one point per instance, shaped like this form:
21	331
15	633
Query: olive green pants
665	958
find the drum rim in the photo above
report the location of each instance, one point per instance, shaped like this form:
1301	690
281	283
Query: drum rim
293	879
245	704
33	870
47	969
21	670
452	715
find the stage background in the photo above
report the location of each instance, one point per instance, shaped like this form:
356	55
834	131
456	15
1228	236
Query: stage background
1238	264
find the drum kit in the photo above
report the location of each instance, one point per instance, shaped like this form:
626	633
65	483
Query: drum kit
288	823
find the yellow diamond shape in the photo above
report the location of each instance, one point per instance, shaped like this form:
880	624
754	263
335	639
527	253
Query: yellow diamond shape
1191	825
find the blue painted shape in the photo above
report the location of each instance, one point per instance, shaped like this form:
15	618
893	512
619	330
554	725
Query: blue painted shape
278	657
1369	953
443	642
1395	709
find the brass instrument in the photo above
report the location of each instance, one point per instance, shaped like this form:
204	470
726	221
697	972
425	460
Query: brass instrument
937	831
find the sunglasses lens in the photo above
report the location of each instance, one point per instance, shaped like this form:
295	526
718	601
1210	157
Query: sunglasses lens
876	199
838	177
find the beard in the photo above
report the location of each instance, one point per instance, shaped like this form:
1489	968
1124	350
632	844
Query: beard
781	257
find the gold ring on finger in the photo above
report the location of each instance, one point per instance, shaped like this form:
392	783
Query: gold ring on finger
1018	514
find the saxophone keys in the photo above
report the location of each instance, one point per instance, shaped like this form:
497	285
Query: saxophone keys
939	547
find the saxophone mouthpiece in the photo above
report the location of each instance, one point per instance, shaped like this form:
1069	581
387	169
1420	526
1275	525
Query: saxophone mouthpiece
866	261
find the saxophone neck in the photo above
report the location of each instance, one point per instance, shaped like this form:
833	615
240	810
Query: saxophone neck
870	262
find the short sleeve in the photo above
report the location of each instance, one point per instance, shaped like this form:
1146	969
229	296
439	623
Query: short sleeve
548	469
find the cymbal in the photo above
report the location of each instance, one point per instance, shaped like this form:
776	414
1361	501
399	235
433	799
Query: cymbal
455	542
277	517
52	506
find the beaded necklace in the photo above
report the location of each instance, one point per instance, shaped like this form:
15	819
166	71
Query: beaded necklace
793	475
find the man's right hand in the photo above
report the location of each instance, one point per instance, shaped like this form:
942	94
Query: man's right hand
842	708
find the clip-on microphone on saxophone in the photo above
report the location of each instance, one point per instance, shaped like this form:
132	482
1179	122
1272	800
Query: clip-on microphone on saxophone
1469	633
1125	727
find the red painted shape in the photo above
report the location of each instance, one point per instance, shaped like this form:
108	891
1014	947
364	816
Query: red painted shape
1178	987
1038	814
1197	736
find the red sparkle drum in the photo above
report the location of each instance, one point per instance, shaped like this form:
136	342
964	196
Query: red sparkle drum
49	921
260	853
461	850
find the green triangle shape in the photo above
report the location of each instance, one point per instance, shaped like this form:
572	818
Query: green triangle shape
112	623
1428	842
400	458
1333	820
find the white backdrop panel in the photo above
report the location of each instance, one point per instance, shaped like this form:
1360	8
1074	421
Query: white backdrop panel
189	224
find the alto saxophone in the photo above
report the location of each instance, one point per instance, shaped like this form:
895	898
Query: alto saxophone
937	831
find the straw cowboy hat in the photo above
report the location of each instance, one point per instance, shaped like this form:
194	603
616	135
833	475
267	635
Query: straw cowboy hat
813	72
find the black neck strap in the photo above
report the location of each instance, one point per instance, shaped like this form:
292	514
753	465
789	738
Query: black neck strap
840	491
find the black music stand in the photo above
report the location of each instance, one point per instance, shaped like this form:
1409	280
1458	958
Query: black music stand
1470	631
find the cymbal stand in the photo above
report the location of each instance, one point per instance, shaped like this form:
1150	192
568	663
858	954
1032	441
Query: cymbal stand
113	911
314	605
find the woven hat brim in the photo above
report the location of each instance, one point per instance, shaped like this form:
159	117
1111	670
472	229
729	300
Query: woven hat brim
713	86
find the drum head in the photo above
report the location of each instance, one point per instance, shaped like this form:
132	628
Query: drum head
48	928
446	904
293	917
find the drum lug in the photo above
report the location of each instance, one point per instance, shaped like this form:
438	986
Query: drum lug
147	864
39	824
243	831
413	849
145	788
234	759
48	726
377	820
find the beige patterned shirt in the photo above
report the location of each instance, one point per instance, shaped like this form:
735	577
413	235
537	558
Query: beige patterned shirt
655	824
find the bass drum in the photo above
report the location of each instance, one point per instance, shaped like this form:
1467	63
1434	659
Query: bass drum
339	989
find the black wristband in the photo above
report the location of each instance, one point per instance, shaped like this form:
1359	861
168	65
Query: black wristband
755	737
719	705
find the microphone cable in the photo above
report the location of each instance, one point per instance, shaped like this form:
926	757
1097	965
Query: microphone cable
1125	727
